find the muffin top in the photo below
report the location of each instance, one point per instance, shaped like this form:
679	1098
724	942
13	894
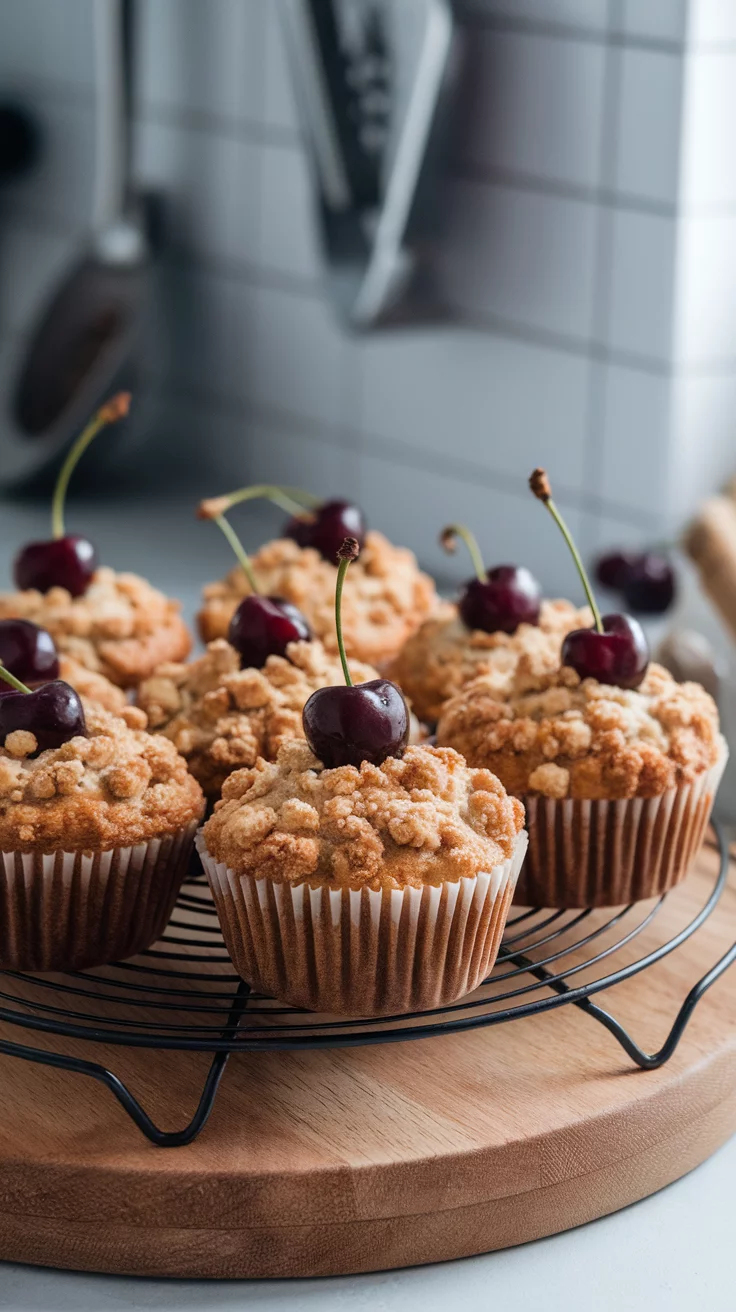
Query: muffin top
385	597
443	655
562	737
120	627
95	687
421	819
118	786
222	718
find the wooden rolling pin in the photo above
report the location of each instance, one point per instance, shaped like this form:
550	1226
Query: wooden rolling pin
710	541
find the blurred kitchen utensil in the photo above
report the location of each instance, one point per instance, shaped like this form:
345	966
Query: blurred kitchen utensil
83	348
371	80
20	141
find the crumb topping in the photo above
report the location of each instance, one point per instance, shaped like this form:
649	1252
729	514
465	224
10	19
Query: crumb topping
222	718
423	819
563	737
95	687
120	627
384	600
120	785
443	655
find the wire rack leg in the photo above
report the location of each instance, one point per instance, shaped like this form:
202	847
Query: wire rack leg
648	1061
130	1104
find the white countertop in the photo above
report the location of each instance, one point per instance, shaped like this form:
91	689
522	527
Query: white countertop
674	1251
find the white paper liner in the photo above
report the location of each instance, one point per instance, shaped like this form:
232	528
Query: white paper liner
609	853
70	910
363	952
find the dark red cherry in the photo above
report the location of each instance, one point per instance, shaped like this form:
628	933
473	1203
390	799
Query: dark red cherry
365	722
327	528
618	656
53	714
650	586
263	627
67	562
507	597
612	570
28	651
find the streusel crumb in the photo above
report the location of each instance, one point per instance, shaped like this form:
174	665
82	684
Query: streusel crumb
561	737
118	786
95	687
423	819
385	599
120	627
222	718
443	655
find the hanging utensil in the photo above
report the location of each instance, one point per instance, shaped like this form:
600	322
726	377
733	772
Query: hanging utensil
371	80
84	346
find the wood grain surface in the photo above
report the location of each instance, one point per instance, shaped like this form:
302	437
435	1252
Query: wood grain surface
353	1160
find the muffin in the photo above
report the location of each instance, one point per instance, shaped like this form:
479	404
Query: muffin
386	596
444	655
121	627
221	718
365	891
618	784
95	837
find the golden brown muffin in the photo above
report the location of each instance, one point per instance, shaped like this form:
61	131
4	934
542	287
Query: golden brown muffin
560	737
222	718
95	840
93	687
117	786
120	627
385	599
366	891
422	819
444	655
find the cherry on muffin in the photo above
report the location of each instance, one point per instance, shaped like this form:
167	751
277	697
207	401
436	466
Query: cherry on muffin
615	650
261	626
358	722
53	713
322	525
645	579
497	600
28	651
66	560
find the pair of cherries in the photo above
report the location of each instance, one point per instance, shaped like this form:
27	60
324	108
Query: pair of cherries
645	579
263	626
49	708
498	600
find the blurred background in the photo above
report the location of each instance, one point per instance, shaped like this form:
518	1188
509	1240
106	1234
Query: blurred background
572	250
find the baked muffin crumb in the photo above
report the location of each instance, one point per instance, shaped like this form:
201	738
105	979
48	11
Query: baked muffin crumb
422	819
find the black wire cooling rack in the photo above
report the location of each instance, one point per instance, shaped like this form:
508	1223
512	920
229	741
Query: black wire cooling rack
184	995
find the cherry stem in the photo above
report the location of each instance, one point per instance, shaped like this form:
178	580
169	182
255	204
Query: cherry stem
291	499
567	535
447	539
342	570
242	555
109	413
11	679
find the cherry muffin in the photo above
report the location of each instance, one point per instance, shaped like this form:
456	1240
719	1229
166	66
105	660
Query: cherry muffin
365	890
95	832
445	654
221	717
618	783
386	596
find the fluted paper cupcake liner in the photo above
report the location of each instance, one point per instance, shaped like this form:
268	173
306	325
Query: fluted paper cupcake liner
363	952
70	910
609	853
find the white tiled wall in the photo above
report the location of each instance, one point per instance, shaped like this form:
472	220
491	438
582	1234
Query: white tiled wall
588	266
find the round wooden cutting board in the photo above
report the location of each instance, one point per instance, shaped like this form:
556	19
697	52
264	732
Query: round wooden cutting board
350	1160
